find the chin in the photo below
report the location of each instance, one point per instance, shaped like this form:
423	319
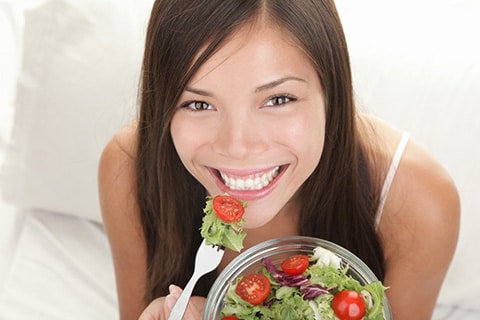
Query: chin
255	222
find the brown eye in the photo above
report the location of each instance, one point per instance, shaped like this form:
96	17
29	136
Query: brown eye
197	105
279	100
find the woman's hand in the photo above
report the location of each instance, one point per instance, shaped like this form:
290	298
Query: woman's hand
160	308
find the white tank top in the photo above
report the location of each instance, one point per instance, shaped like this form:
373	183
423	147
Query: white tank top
391	174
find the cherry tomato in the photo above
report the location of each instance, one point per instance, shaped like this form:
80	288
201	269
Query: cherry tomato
228	208
349	305
295	265
253	288
230	318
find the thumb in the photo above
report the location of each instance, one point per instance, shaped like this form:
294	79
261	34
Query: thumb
172	297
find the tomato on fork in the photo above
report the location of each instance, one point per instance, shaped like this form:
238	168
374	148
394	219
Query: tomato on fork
228	208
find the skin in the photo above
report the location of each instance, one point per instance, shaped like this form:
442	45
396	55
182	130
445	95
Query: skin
249	125
243	132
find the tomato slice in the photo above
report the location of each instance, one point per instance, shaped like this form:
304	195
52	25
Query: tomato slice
349	305
230	318
253	288
228	208
295	265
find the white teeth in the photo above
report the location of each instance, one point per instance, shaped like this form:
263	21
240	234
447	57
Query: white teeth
253	182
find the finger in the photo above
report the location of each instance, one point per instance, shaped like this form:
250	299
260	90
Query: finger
172	297
153	311
175	290
196	307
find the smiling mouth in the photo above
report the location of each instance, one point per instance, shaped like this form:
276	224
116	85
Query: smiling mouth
251	182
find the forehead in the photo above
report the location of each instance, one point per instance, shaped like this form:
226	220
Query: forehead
256	48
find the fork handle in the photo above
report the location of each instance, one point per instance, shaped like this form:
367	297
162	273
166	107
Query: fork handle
182	302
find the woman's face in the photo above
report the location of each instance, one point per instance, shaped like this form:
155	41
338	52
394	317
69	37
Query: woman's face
251	121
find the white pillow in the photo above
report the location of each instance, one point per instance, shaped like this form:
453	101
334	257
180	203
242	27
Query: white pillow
77	86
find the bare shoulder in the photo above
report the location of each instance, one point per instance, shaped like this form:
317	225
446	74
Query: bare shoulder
121	219
423	193
419	226
123	143
424	200
422	186
116	171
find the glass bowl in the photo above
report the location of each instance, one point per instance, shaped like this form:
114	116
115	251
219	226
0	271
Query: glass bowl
277	250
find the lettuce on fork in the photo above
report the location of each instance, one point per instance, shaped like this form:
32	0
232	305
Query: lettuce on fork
223	222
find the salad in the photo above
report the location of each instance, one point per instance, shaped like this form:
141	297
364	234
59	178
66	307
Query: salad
223	222
315	286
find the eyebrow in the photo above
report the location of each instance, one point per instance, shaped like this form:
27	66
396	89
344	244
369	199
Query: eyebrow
199	92
276	83
261	88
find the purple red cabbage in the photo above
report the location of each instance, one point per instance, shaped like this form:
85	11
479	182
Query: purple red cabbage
311	291
308	290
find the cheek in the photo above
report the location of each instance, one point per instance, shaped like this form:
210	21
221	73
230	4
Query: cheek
309	143
181	137
307	133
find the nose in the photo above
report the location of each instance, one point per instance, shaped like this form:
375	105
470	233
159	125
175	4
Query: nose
239	136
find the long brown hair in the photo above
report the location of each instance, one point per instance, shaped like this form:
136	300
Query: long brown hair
339	199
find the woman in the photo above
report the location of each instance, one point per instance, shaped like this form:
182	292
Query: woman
235	90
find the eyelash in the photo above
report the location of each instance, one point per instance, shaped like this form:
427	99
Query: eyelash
279	100
192	105
275	101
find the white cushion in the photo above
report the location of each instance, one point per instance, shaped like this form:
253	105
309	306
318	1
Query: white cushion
61	270
77	86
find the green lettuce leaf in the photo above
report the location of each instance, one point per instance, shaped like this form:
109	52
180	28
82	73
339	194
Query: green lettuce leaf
217	232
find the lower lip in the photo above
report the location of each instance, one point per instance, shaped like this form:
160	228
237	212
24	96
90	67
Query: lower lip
248	195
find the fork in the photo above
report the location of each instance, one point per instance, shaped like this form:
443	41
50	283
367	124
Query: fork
207	259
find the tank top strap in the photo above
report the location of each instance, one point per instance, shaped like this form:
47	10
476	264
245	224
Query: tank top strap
390	175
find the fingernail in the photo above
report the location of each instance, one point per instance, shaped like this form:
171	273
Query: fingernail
174	290
170	301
